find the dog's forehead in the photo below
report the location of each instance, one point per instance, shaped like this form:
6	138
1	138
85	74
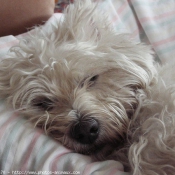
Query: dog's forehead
79	66
86	62
68	72
73	65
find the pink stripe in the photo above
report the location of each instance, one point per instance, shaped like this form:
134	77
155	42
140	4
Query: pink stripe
9	44
115	170
121	9
55	161
87	169
165	41
7	123
135	33
30	149
165	15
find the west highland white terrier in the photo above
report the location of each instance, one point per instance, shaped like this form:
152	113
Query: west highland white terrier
95	91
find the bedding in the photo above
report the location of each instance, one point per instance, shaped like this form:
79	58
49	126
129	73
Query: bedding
25	150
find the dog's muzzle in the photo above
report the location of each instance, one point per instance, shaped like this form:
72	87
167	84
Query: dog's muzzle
85	132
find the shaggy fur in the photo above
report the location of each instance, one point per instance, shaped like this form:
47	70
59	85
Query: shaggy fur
84	71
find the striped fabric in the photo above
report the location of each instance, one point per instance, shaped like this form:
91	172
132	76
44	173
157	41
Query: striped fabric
157	18
151	21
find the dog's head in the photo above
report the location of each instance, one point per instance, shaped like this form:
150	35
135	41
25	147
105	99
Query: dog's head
80	82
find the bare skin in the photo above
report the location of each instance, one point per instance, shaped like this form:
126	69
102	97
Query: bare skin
18	16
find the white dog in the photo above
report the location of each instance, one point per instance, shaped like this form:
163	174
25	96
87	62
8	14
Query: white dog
95	91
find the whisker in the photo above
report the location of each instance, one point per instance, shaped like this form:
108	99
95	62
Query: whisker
45	124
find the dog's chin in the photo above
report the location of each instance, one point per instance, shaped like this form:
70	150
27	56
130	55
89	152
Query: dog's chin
101	152
109	151
98	151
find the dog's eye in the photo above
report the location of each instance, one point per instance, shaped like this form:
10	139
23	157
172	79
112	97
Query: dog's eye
43	103
89	81
93	79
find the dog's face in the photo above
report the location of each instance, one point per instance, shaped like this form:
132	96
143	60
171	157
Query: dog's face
84	104
81	87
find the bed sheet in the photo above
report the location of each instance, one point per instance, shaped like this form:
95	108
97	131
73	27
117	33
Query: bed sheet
150	21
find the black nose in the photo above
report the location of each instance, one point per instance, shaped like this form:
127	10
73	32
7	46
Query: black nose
85	132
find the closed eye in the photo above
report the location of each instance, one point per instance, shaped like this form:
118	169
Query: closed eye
43	103
89	81
94	78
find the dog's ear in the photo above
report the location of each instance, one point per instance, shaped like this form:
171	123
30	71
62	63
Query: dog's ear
136	60
15	76
141	64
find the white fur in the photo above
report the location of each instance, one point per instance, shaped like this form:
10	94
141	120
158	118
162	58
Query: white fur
49	81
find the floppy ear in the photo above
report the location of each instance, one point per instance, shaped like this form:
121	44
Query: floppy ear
13	73
138	60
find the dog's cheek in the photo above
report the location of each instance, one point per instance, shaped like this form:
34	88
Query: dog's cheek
13	73
6	80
